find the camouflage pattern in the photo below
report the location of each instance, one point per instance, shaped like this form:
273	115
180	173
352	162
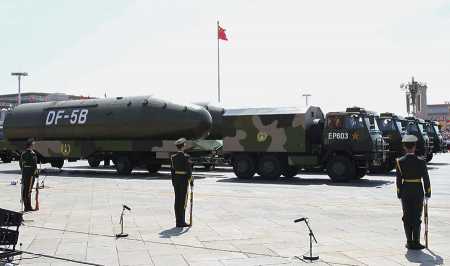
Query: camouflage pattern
268	129
83	149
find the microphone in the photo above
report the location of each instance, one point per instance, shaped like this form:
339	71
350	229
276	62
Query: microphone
126	207
300	220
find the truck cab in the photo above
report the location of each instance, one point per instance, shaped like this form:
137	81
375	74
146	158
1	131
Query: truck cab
352	142
433	132
393	132
415	126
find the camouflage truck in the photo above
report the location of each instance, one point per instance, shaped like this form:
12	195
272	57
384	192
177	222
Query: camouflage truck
280	141
391	127
415	126
436	139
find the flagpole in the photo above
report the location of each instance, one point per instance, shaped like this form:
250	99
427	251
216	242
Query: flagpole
218	63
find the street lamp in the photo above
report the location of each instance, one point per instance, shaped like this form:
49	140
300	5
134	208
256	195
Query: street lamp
19	76
306	98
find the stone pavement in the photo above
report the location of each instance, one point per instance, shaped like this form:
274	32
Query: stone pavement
236	222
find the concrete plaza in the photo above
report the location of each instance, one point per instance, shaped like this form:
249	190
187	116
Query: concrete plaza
236	222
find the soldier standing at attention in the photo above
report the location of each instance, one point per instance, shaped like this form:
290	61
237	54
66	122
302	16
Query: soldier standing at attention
410	172
28	160
181	175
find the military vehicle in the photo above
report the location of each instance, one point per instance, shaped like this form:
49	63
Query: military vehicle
415	126
7	152
393	132
132	131
280	141
436	139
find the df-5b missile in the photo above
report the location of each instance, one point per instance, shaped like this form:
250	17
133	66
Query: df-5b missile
142	117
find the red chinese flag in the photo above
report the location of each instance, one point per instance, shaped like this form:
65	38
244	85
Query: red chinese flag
221	35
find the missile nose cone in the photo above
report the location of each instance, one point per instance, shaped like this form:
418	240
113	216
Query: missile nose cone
203	121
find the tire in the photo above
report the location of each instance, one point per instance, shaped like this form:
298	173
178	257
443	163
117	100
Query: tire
93	162
429	157
123	165
360	173
290	171
153	168
57	163
244	166
340	169
208	167
6	159
269	167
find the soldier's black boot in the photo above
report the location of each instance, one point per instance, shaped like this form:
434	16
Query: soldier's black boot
409	238
416	238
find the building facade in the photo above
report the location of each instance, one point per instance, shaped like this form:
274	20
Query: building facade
10	100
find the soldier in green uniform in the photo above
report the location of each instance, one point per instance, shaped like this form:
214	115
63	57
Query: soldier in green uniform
411	171
28	160
181	176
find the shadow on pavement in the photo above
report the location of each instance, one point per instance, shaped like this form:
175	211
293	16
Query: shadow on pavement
96	173
174	231
310	181
438	164
419	256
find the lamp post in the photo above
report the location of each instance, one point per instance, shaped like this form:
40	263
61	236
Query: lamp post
19	76
306	98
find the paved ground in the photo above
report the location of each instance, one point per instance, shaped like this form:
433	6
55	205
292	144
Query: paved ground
235	222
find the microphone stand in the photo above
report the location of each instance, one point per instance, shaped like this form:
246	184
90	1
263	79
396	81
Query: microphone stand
122	234
311	237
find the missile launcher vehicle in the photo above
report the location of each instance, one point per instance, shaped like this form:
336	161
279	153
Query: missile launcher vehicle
132	131
415	126
280	141
391	127
436	139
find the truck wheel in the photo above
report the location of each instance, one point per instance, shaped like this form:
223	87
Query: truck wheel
207	166
93	162
269	167
6	159
244	166
290	171
57	163
360	173
340	169
429	157
123	165
153	168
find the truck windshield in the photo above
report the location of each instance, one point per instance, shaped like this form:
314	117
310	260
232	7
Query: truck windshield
386	124
436	129
344	122
411	128
429	129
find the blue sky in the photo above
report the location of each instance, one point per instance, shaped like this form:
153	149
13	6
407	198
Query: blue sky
342	52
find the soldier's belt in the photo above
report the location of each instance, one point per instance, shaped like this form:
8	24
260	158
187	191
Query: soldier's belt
180	172
412	180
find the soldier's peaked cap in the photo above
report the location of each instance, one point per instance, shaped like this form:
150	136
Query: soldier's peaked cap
409	138
180	141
